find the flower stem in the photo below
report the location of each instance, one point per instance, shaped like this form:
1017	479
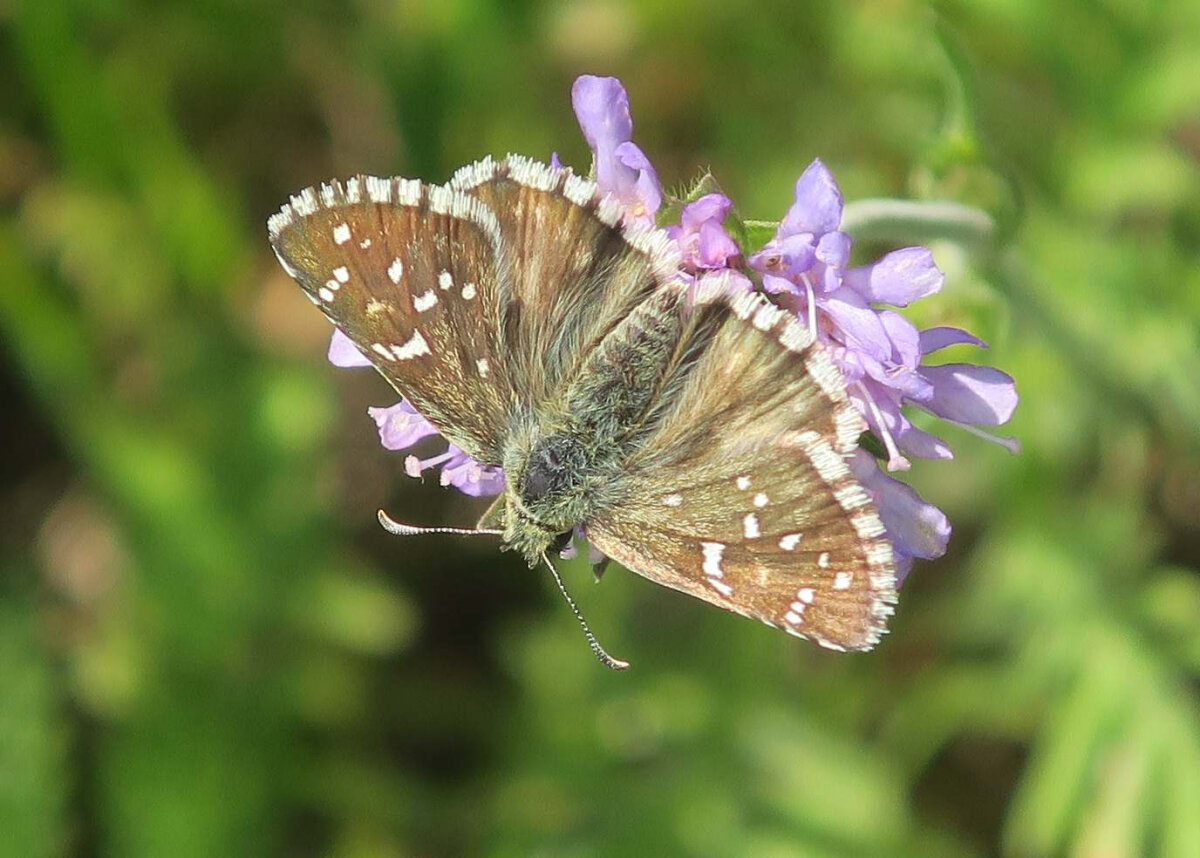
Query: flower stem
912	222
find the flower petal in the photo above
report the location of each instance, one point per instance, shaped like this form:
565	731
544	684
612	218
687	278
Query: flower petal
790	254
343	352
710	207
898	278
602	108
916	527
906	340
858	324
715	247
933	339
470	477
834	249
776	285
919	443
966	393
400	426
818	205
635	181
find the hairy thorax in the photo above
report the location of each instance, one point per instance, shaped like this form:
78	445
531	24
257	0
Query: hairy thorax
563	467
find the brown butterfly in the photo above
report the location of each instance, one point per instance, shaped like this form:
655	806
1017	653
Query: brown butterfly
699	439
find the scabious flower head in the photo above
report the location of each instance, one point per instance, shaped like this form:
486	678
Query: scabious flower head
878	350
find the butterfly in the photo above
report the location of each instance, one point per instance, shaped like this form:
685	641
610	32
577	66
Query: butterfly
698	437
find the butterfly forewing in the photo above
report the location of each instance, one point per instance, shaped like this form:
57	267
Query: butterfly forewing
409	273
741	496
574	271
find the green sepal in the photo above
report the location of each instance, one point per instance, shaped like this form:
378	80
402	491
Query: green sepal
756	233
674	200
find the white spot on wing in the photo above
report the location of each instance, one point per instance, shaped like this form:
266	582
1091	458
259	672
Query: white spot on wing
341	274
842	580
445	280
713	552
341	233
743	482
789	541
415	347
672	500
468	291
381	350
482	366
396	270
365	243
761	500
806	595
750	526
325	294
424	302
823	560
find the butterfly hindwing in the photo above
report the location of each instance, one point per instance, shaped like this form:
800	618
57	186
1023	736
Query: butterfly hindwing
739	493
409	273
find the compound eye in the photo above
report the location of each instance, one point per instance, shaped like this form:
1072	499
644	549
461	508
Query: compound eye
537	481
542	474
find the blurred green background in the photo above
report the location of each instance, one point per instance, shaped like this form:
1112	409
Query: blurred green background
208	647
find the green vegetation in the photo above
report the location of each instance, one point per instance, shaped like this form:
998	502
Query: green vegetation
208	648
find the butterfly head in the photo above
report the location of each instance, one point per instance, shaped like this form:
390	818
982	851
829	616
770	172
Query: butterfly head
547	491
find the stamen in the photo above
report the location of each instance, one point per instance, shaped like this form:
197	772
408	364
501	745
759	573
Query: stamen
812	306
896	461
414	466
1011	444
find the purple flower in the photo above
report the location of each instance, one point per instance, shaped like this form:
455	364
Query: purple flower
915	527
343	352
879	351
707	251
461	471
401	426
622	169
703	242
458	469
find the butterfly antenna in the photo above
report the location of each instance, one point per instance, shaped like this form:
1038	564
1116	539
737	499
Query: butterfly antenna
603	657
397	528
